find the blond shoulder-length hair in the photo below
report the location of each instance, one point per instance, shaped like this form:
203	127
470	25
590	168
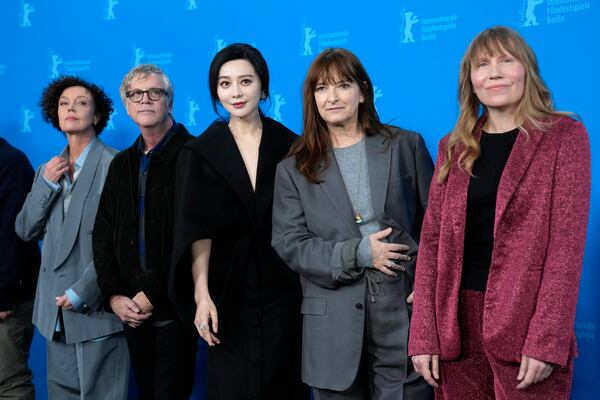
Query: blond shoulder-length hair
534	106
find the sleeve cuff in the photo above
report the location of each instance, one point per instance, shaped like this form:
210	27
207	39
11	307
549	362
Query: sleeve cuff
52	185
363	253
75	300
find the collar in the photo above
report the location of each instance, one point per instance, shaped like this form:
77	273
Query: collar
82	157
156	149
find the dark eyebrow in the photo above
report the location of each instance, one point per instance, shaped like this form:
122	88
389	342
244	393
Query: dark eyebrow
241	76
78	97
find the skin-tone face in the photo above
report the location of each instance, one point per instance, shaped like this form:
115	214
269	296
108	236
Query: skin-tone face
338	103
498	81
76	111
149	114
239	89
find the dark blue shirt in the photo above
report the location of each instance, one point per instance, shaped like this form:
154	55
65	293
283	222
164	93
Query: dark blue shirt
145	161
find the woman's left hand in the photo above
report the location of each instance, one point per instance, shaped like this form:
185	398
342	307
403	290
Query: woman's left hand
532	371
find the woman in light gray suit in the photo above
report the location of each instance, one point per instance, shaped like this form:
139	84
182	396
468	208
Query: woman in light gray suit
87	352
347	213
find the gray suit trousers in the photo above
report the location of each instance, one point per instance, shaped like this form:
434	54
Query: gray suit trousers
90	370
380	376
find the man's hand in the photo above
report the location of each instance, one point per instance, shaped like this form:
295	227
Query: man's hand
142	301
128	310
6	314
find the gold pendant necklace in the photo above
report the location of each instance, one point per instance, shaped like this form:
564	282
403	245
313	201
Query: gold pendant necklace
358	218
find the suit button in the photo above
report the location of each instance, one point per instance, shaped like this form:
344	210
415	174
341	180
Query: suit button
358	306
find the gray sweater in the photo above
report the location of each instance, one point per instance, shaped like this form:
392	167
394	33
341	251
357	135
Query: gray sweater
352	161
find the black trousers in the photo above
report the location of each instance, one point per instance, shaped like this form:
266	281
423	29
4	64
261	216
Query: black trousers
163	360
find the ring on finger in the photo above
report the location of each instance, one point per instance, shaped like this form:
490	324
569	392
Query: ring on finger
201	325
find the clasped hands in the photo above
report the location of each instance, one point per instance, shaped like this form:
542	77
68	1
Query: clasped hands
132	312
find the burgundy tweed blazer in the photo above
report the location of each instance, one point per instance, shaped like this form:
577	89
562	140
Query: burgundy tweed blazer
539	236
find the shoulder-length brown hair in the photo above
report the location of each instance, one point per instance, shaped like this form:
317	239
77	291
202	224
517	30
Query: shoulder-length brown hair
535	104
331	66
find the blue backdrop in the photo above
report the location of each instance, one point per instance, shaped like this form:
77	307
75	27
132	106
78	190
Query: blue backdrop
411	49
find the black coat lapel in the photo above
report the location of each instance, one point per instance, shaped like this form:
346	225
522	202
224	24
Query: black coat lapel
221	152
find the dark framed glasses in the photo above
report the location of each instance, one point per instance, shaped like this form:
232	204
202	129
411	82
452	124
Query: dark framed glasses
154	94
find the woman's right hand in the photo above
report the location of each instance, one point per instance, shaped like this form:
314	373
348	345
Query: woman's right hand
207	320
386	254
55	168
428	366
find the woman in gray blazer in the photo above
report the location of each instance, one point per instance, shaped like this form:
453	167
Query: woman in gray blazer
347	212
87	353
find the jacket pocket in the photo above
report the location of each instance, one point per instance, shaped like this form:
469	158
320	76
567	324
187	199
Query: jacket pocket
314	306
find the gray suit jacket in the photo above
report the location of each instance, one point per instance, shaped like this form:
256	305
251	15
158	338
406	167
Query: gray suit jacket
67	249
315	234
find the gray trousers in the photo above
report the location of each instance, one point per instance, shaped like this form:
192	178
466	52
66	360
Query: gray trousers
385	371
16	333
89	370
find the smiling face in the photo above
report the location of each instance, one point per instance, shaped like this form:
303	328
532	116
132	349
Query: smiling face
147	113
239	89
498	80
76	111
338	102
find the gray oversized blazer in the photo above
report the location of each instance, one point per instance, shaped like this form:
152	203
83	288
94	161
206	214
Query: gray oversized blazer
67	249
315	234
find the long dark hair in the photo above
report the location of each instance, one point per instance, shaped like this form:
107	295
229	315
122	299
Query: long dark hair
331	66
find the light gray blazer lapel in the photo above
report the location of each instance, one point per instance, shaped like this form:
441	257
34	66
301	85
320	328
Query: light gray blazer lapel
335	190
378	162
72	221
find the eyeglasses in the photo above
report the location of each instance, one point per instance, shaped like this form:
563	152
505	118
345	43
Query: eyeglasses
154	94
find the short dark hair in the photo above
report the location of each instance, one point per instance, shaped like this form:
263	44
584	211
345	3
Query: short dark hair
103	105
237	51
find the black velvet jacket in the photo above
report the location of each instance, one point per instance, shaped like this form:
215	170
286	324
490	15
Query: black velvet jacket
115	236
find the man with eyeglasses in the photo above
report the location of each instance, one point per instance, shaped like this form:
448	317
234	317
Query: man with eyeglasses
132	239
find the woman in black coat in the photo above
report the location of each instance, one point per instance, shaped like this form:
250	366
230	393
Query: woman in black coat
248	307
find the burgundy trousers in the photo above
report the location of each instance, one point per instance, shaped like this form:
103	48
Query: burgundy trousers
477	375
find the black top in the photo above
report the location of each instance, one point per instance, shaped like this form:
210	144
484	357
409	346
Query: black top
19	261
481	207
214	199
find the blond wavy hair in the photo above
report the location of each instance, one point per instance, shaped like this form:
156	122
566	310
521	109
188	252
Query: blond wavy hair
535	104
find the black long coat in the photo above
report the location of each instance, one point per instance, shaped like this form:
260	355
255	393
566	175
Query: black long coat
214	200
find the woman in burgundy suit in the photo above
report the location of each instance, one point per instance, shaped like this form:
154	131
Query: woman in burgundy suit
503	237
